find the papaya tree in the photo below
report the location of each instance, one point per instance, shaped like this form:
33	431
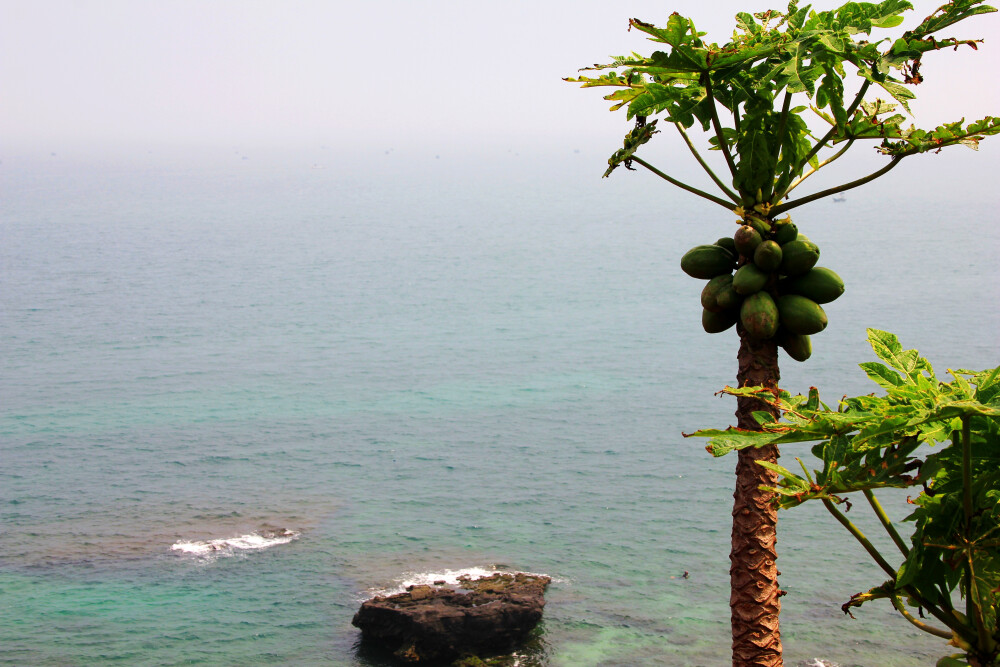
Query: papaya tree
787	96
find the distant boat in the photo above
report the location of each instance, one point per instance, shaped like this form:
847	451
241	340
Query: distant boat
839	199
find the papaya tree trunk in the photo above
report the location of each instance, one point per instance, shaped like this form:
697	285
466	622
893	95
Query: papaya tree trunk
753	574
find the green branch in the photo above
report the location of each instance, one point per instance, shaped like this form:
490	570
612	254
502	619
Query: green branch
937	632
886	523
697	156
723	146
860	537
684	186
781	208
819	166
973	609
966	473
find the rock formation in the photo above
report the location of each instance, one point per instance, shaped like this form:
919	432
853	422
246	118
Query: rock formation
439	623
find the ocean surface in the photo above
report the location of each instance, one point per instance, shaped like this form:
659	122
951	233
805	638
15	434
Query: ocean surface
239	394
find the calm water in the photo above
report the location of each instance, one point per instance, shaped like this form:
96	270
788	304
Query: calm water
377	371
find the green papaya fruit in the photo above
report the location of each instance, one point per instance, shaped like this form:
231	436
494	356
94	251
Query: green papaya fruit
709	295
759	315
729	244
785	232
798	346
707	261
801	315
763	227
746	239
728	298
717	322
749	279
798	256
820	284
767	256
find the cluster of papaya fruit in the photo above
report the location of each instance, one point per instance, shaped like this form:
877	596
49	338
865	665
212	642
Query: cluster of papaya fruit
776	290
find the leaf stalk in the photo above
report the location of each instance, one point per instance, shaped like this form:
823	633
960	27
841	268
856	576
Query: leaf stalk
901	608
819	166
973	608
787	206
723	146
886	523
860	537
694	151
967	473
684	186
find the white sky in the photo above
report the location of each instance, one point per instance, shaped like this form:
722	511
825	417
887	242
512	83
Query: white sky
307	72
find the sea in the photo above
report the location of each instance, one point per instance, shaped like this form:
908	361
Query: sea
241	392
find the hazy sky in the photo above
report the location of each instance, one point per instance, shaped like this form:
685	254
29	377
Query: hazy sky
246	72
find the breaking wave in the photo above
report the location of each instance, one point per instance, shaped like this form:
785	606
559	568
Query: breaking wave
231	546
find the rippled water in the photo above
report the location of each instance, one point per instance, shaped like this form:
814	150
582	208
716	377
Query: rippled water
240	397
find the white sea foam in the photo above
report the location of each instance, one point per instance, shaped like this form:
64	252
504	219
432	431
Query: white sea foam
449	577
230	546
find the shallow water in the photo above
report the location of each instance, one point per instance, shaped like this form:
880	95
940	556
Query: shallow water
412	368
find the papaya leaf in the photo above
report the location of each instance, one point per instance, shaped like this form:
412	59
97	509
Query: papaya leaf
812	402
880	592
763	417
949	14
987	385
679	102
609	79
747	24
887	348
680	31
732	57
950	134
899	92
887	22
881	428
787	475
834	453
633	140
882	374
935	431
862	17
725	441
953	409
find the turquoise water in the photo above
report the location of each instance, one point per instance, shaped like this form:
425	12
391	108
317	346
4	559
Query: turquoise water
413	366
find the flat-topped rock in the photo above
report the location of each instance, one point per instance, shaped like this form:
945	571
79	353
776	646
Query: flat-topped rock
440	623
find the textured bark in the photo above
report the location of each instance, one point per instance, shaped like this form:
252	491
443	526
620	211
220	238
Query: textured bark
755	598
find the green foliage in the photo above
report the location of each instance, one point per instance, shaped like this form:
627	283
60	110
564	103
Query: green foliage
771	58
874	442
